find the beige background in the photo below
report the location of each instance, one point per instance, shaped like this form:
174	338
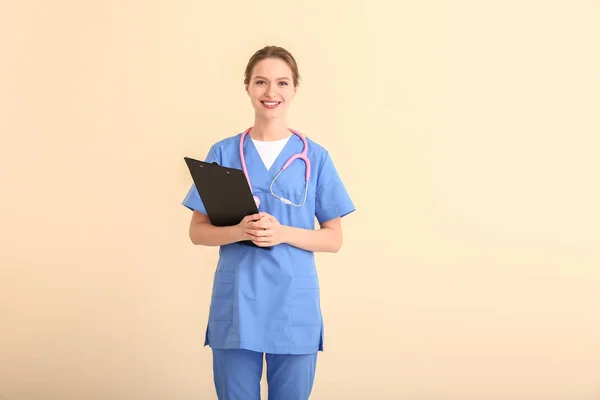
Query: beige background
467	133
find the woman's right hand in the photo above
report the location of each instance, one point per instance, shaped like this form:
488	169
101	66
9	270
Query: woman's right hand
243	225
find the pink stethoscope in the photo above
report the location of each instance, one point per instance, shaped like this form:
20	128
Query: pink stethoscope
303	156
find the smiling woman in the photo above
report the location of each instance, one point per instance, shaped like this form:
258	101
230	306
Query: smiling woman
267	303
271	80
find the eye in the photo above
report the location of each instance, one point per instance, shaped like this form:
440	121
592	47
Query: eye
283	83
260	82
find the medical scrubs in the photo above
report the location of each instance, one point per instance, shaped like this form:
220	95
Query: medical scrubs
268	301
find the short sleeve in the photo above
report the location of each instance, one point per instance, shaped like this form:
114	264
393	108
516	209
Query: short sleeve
332	198
192	198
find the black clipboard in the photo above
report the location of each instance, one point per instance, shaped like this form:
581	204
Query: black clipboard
224	192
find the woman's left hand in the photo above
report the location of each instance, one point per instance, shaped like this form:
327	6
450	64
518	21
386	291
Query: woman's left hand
265	232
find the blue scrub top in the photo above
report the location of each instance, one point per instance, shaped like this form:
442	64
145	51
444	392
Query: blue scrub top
269	301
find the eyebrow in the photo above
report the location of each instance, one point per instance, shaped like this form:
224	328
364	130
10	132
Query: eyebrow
279	79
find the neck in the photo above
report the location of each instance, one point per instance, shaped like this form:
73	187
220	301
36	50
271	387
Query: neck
269	130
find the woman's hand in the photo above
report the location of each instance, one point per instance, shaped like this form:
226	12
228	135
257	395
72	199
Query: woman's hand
265	232
245	224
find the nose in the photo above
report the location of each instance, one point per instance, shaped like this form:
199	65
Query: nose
271	91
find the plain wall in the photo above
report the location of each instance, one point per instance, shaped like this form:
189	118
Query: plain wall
467	133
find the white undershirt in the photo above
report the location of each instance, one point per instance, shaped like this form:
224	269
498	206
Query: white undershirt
269	151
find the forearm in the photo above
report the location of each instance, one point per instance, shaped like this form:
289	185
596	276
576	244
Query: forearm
207	234
315	240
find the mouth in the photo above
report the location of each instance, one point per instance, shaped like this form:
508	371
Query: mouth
270	104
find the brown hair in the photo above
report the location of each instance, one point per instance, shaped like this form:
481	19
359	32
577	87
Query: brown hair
272	52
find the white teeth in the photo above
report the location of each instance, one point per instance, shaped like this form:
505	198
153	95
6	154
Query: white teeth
270	104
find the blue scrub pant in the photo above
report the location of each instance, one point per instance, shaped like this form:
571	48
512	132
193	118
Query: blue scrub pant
237	375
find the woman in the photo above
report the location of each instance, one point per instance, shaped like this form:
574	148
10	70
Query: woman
267	302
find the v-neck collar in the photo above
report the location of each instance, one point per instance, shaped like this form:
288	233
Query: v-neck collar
256	166
278	163
280	143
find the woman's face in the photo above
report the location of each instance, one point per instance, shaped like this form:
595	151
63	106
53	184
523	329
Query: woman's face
271	88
